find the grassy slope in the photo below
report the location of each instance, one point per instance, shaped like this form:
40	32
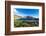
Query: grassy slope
23	23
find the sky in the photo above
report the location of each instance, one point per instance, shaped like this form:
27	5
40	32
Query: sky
26	12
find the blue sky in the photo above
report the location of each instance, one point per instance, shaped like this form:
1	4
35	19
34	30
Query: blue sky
26	12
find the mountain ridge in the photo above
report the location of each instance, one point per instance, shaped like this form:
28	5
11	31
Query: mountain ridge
26	17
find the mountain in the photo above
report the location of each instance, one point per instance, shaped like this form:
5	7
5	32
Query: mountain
28	18
16	16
